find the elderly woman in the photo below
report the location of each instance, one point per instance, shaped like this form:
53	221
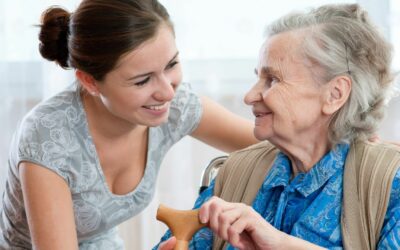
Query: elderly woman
317	182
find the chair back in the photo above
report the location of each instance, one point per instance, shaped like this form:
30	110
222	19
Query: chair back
210	172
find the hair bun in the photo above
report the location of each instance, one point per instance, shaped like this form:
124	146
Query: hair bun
53	35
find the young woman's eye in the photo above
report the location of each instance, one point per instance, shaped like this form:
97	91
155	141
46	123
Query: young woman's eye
172	64
143	81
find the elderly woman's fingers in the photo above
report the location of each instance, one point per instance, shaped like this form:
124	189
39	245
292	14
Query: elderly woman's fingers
221	215
239	232
215	208
204	214
168	245
251	231
238	237
226	219
210	211
239	224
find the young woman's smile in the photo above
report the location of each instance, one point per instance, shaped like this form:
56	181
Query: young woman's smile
157	109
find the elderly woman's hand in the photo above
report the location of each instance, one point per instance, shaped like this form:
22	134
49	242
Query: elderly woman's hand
240	225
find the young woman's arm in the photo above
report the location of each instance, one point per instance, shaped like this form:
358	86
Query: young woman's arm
49	209
223	129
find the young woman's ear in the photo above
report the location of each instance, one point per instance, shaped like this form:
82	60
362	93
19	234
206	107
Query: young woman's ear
88	82
338	91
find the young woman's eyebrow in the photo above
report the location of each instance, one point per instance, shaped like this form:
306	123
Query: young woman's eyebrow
149	73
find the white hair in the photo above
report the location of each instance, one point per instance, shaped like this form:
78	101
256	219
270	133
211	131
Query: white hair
341	40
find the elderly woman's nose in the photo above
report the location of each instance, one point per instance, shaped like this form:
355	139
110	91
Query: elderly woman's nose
254	95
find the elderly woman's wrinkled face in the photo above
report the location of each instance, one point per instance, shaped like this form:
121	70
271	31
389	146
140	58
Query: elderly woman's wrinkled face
287	99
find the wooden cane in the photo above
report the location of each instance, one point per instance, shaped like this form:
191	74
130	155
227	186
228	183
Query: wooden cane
183	224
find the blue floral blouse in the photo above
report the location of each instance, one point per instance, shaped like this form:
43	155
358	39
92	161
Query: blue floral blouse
308	206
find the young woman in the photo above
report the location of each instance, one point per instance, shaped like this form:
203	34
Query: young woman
87	159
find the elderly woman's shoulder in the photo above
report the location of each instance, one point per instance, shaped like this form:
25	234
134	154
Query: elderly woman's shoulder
258	150
261	146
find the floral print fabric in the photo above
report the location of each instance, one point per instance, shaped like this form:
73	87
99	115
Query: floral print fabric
55	135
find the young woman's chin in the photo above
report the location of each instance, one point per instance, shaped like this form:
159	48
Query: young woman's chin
155	121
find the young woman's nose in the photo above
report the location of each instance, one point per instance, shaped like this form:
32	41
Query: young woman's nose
165	89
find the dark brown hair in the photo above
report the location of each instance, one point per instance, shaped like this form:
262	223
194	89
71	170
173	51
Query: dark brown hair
99	32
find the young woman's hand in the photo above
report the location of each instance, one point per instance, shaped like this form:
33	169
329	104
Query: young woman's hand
240	225
168	244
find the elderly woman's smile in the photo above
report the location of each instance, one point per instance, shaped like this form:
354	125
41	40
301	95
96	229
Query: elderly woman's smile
288	101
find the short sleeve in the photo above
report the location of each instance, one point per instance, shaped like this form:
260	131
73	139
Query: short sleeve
45	138
185	112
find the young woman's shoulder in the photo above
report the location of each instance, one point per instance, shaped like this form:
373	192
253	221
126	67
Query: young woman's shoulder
185	112
47	134
50	110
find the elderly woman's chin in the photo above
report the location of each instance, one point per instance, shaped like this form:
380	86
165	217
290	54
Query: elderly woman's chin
263	128
263	133
281	136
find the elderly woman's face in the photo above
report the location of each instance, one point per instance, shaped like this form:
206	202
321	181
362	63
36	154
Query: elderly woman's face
286	99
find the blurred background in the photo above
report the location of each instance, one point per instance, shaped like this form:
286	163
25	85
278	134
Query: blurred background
218	43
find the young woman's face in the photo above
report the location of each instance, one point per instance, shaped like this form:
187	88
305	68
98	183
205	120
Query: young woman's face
140	88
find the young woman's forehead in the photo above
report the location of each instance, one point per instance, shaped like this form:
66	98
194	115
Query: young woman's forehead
160	49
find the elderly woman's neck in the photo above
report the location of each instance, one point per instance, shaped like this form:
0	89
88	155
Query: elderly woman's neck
304	154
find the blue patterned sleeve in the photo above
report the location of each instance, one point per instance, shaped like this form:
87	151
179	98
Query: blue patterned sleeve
203	238
390	233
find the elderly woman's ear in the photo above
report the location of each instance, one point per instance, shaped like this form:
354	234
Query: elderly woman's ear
337	92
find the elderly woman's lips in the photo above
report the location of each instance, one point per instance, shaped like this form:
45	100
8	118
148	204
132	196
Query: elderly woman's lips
261	114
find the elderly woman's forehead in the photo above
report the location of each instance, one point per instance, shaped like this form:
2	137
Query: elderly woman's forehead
284	42
283	47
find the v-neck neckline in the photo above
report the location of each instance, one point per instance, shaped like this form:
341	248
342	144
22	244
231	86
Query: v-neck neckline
97	159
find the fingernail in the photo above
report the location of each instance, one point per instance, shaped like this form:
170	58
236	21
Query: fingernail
202	219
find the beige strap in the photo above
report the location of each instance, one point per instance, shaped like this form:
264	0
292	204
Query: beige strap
368	177
242	175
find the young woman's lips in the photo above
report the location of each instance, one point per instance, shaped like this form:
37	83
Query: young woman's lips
157	109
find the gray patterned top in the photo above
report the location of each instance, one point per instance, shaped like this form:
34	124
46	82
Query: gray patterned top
55	135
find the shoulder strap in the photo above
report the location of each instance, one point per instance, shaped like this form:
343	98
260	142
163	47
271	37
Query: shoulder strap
242	175
368	176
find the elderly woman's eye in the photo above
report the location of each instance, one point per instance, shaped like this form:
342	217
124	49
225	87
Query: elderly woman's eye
271	80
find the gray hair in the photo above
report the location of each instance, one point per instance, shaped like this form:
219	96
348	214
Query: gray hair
341	40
